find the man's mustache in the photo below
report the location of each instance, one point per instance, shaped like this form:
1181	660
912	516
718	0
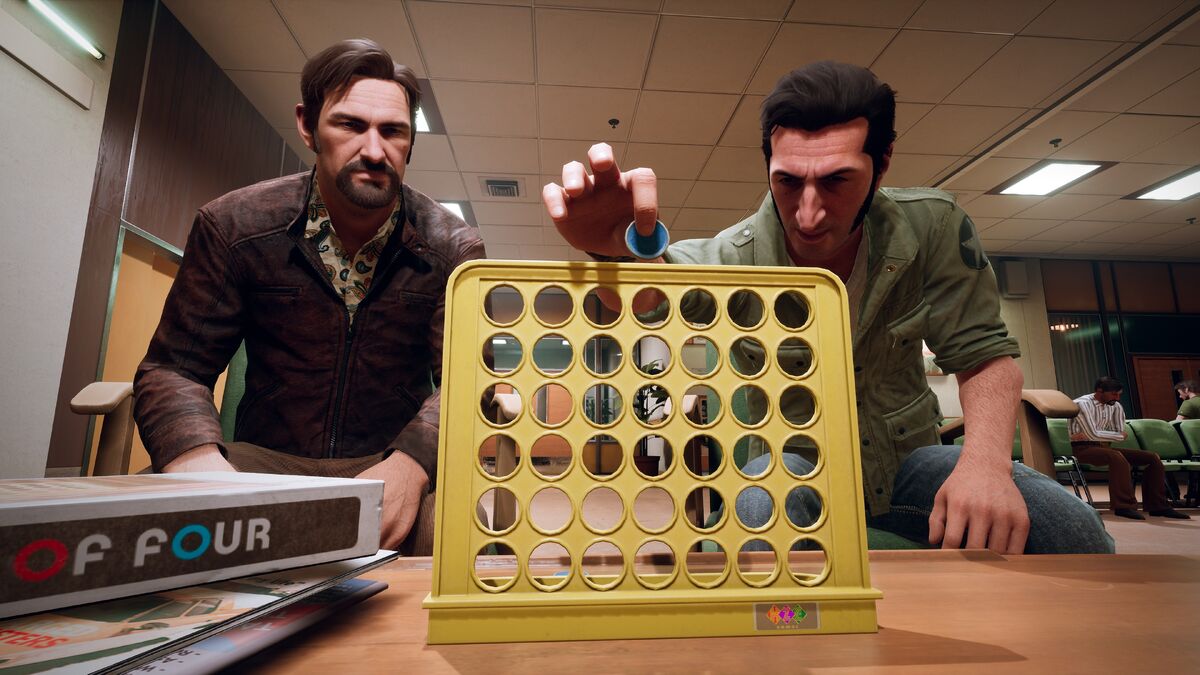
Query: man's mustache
360	165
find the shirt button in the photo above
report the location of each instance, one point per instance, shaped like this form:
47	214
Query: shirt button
901	430
890	268
866	441
878	491
858	369
746	232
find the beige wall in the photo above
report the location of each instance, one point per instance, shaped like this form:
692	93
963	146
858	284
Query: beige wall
50	146
1026	319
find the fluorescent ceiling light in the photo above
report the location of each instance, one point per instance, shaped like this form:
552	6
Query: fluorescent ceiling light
1180	188
499	341
422	123
1050	178
67	29
453	207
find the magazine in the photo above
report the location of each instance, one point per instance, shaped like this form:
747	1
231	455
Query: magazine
226	648
119	635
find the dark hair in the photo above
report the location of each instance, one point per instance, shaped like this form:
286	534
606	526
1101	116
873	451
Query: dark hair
1189	385
1109	384
825	93
332	70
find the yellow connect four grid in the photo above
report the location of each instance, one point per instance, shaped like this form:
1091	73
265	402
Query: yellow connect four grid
581	420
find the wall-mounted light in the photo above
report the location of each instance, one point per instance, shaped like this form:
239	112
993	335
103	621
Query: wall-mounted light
67	29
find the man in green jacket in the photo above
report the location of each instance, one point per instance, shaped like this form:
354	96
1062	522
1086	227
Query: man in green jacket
914	270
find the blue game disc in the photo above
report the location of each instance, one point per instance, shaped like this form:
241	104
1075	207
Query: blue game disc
647	248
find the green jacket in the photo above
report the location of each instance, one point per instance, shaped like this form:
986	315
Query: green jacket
927	279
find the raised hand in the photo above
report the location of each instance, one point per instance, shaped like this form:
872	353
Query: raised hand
592	212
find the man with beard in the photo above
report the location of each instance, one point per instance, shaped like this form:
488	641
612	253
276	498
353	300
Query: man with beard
914	270
335	280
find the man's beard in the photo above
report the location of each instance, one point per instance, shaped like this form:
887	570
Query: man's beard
367	195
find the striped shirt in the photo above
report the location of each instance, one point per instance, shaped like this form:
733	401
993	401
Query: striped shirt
1096	422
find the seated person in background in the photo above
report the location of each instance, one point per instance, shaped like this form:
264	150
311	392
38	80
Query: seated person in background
336	281
1100	423
914	269
1190	408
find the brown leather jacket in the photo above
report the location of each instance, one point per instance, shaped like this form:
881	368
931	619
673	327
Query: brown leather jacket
316	386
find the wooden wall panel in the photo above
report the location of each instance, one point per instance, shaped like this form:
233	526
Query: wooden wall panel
1144	287
82	354
1069	285
1187	286
199	137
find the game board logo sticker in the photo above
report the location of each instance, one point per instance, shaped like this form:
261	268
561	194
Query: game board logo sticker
775	616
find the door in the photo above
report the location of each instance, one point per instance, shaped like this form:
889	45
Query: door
1156	378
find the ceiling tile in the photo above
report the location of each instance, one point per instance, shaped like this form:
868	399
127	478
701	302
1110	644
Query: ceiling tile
797	44
1188	36
707	220
504	251
630	5
1009	16
1035	247
1183	148
530	186
1066	125
1021	228
474	42
989	173
1097	19
1134	234
744	129
241	34
510	109
1181	98
1124	136
544	252
584	112
927	65
908	114
274	95
499	155
713	55
1183	235
317	24
1140	79
1000	206
855	12
725	195
1125	210
440	185
667	216
432	152
1076	230
760	9
674	192
1090	248
1028	69
1063	206
1124	178
1013	126
911	170
982	224
677	117
996	245
499	213
1173	212
554	154
668	161
493	235
736	164
568	42
954	130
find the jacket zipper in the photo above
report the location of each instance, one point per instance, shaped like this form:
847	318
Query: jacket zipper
341	384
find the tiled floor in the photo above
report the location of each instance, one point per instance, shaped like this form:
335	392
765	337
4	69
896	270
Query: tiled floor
1153	535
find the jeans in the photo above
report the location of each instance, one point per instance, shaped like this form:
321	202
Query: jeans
1059	522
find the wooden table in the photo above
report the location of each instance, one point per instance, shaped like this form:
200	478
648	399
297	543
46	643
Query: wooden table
942	612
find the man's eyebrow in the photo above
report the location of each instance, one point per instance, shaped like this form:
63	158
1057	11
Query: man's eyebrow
836	172
344	116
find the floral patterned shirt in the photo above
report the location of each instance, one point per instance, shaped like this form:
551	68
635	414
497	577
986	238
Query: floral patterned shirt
351	277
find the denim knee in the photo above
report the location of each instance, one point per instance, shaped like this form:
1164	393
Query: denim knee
755	507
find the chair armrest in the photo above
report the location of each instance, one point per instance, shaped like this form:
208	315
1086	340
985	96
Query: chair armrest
950	430
1050	402
101	398
509	405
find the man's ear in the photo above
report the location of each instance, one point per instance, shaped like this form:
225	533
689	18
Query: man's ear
309	140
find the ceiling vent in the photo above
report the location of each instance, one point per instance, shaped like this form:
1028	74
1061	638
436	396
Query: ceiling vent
502	187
